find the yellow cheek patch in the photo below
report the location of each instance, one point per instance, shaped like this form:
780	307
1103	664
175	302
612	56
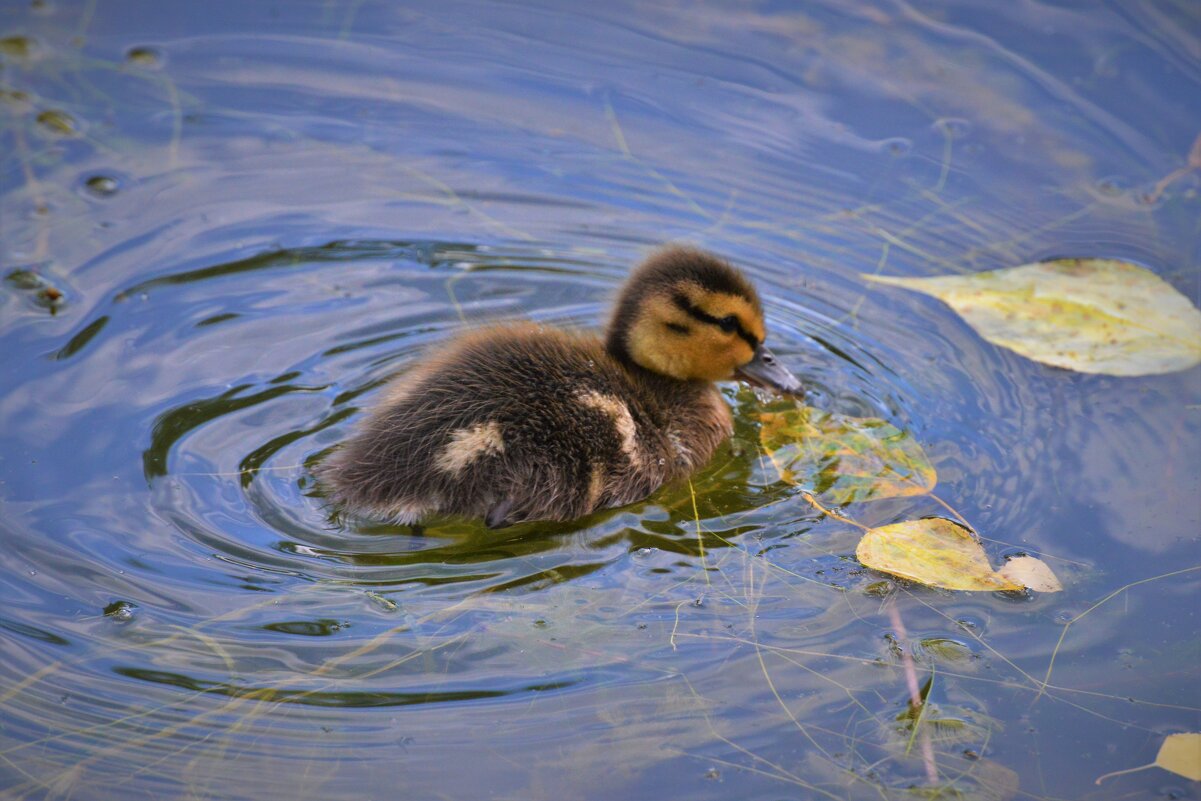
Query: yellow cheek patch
712	355
742	353
654	345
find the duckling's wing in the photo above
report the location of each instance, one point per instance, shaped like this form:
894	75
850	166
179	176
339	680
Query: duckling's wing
508	424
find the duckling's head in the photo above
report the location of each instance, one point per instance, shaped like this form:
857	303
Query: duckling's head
688	315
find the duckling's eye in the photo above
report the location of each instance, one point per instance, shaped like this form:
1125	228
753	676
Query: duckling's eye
729	323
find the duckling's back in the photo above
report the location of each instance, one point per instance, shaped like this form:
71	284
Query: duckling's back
522	423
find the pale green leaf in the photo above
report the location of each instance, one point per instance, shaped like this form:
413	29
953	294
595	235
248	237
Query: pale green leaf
845	459
1088	315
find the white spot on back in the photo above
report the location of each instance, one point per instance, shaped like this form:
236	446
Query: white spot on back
623	421
468	444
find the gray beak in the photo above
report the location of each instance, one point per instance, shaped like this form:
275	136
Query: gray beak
766	371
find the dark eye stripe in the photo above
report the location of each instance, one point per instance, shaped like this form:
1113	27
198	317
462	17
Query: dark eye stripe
679	328
681	301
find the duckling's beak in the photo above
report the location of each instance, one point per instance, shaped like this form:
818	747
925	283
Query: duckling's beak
766	371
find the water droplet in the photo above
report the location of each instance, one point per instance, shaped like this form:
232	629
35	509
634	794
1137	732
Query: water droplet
120	610
143	57
643	553
13	96
17	46
102	185
58	122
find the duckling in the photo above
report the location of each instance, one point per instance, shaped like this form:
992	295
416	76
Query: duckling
521	422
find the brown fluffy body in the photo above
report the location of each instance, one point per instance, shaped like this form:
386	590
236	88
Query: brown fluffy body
522	422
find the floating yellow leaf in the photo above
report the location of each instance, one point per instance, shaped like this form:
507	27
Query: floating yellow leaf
1088	315
1032	573
935	552
845	459
1179	753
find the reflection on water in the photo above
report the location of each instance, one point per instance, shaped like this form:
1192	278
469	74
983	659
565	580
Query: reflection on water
218	243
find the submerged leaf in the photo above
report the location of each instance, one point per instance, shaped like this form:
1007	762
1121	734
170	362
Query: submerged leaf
1032	573
942	649
934	552
1088	315
845	459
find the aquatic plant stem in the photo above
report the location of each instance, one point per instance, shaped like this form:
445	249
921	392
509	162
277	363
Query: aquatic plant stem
1111	774
831	513
1193	163
40	208
1046	680
915	694
700	539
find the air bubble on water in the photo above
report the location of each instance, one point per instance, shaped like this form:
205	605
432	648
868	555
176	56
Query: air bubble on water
102	185
144	57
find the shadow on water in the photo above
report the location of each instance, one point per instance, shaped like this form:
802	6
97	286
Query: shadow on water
218	247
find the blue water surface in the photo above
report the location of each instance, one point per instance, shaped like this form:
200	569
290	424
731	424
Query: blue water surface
223	225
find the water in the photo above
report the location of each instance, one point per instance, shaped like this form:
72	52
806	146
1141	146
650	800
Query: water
226	224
